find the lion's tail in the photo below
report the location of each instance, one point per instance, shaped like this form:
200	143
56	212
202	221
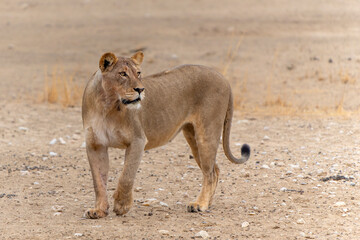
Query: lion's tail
245	149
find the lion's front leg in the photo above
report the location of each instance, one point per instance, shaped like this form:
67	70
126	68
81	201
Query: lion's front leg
99	164
123	194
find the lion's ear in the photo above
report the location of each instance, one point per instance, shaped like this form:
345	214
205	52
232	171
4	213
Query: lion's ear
107	60
138	57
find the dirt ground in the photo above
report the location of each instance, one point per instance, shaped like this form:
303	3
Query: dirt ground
294	68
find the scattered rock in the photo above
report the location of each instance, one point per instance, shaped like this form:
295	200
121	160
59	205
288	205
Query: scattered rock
25	172
78	234
245	224
266	138
335	178
300	221
76	136
62	141
58	208
339	204
190	167
138	189
52	142
53	154
164	204
265	166
150	201
164	232
290	67
25	129
203	234
314	59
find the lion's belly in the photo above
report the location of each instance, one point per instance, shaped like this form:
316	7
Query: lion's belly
161	137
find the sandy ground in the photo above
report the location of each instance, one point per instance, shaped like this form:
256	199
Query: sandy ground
304	54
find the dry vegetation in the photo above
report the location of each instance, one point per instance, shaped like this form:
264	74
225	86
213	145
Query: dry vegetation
60	88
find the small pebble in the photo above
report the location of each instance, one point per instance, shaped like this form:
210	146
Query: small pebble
245	224
58	208
138	189
164	232
62	141
23	129
78	234
265	166
53	154
202	234
339	204
164	204
300	221
52	142
150	201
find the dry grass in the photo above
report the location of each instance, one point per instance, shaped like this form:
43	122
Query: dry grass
60	88
230	55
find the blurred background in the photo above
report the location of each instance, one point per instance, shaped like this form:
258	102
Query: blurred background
294	71
288	57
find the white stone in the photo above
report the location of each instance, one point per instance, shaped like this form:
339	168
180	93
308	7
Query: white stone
266	138
25	129
300	221
245	224
163	204
58	208
78	234
24	173
53	141
265	166
164	232
62	141
283	189
202	234
53	154
339	204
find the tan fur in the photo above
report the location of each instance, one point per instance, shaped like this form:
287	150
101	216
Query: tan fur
116	113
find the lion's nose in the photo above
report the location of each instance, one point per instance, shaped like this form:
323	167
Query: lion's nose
139	90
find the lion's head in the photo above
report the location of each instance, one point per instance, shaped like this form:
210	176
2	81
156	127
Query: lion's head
121	80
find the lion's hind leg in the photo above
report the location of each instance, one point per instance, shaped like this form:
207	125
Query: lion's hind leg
204	146
189	134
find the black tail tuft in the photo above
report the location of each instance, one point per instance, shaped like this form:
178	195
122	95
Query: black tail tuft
245	151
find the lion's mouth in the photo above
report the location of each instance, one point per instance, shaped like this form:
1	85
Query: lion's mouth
126	101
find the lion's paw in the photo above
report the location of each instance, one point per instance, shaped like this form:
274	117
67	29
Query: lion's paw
121	208
196	207
93	213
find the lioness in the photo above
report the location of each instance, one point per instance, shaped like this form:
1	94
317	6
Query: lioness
116	113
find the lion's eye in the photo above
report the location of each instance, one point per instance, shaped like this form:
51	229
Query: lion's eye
138	73
123	74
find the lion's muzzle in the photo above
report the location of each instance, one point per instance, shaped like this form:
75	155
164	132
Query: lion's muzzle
139	97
